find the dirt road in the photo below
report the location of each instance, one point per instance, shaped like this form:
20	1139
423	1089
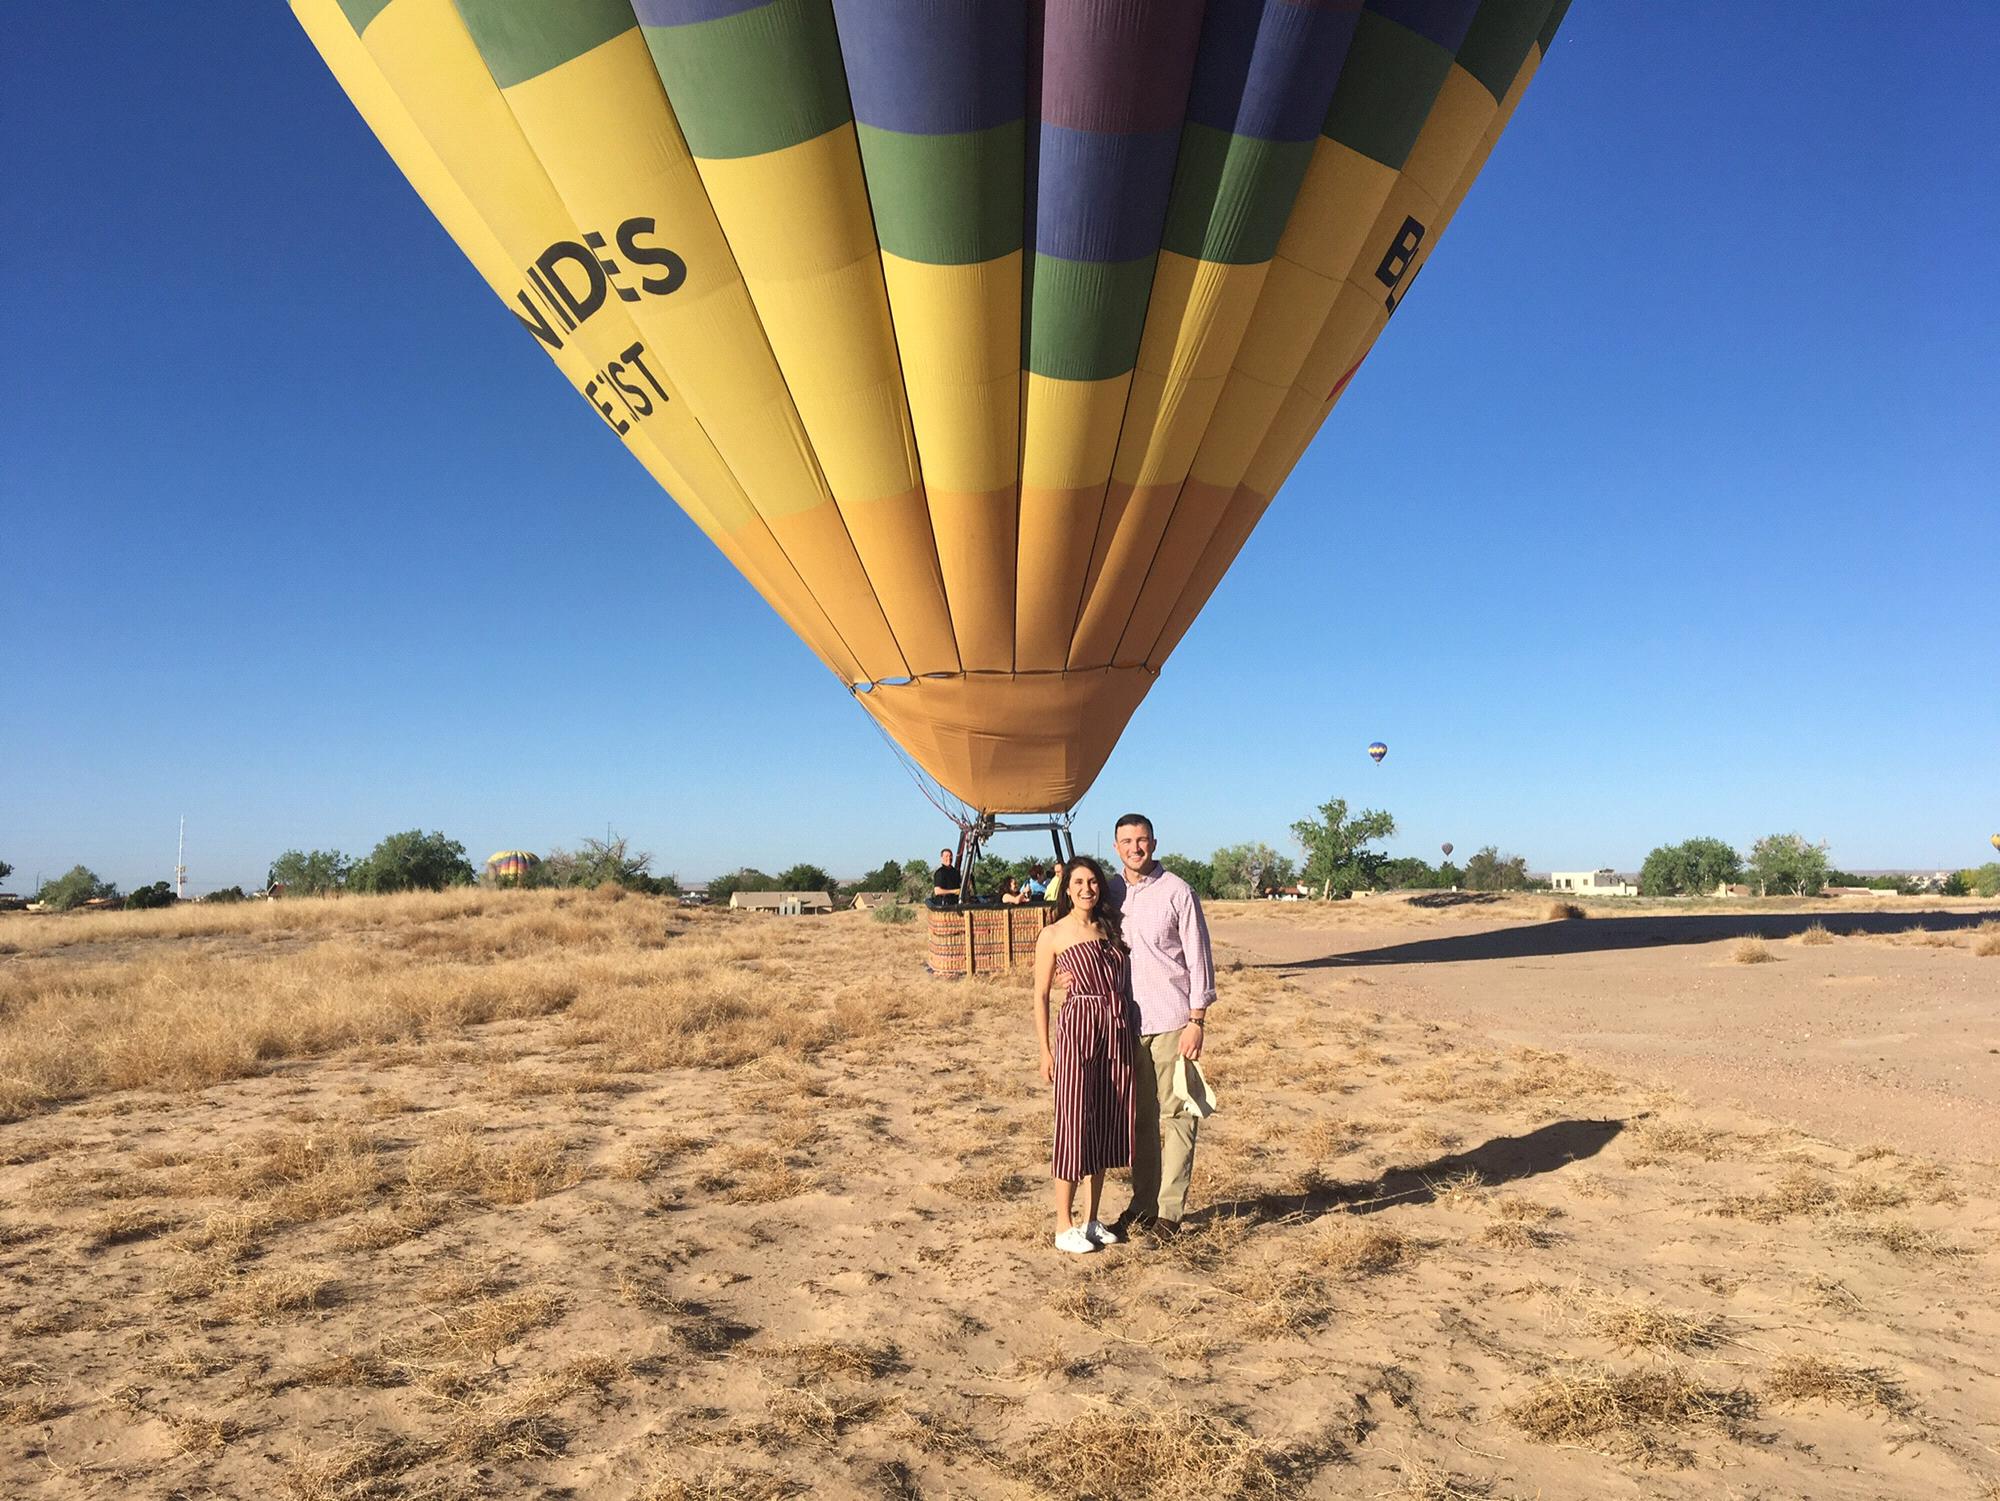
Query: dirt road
1890	1032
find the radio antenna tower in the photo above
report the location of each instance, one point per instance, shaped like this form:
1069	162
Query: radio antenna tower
180	863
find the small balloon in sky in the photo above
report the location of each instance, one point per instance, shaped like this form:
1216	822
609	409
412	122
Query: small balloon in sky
1376	751
1446	847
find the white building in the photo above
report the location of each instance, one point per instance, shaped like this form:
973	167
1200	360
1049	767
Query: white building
1592	882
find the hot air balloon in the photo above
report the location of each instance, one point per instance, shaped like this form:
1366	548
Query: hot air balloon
1446	847
1995	841
511	867
977	334
1376	751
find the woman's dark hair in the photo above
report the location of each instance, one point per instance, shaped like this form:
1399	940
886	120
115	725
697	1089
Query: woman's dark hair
1108	916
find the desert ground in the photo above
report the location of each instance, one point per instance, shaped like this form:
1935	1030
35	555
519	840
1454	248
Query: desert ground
581	1195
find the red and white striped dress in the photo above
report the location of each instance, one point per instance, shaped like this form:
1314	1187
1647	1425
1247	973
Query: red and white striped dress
1093	1052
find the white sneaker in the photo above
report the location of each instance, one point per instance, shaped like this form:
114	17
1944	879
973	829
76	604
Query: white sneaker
1102	1233
1075	1241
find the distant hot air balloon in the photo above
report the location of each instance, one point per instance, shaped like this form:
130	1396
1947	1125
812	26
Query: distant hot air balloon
1376	751
1995	841
511	867
1446	847
977	334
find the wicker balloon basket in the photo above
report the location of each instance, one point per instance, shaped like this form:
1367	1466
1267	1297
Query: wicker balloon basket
984	940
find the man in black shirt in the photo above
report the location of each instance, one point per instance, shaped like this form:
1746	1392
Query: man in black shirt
946	881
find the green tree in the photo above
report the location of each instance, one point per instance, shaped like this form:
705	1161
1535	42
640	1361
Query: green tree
1985	879
804	877
887	877
309	872
225	895
73	888
159	894
722	888
1244	870
1407	873
6	870
1787	865
413	861
597	862
1450	876
1199	874
1693	868
1337	856
916	885
1489	870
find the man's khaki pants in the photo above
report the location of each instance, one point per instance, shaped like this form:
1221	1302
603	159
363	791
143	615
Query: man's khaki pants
1162	1133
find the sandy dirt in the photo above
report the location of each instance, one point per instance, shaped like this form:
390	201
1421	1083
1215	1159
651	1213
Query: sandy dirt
1889	1034
1482	1216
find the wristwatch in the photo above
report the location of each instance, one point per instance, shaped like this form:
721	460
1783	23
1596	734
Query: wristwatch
1199	1018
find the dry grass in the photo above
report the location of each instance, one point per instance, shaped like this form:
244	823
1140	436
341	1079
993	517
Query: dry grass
289	980
993	1183
1166	1454
1632	1414
1422	1480
1632	1324
1815	934
828	1359
1522	1075
276	1292
1798	1192
358	1470
1564	912
1910	1242
1821	1378
1925	938
1986	940
457	1162
1656	1141
724	1483
1353	1255
1751	950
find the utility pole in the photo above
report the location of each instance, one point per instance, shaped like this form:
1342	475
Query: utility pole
180	863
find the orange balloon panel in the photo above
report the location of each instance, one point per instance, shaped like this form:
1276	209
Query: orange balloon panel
977	334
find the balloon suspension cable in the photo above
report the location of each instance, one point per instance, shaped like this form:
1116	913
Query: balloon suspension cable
934	791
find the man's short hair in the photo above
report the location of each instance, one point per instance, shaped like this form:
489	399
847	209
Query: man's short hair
1128	819
946	853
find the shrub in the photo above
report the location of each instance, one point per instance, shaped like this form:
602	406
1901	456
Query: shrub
1692	868
159	894
1564	911
895	912
73	888
413	861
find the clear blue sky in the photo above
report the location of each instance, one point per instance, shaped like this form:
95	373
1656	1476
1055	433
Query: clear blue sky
1666	508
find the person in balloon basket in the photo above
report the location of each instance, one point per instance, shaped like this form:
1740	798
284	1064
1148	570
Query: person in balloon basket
945	881
1088	1054
1173	986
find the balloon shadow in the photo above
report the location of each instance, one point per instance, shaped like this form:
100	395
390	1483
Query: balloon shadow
1504	1159
1610	934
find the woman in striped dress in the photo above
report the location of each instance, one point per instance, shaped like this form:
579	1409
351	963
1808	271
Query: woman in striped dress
1089	1060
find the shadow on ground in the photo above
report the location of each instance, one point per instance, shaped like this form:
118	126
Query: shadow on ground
1504	1159
1600	934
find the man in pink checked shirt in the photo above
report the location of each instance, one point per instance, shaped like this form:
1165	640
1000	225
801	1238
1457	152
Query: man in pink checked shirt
1173	982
